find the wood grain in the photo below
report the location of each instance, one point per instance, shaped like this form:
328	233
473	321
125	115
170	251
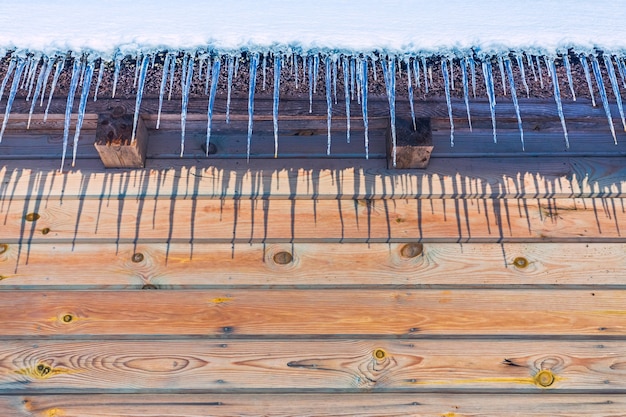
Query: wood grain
209	220
311	313
320	405
301	366
179	265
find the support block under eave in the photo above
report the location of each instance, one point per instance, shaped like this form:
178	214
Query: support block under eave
114	141
413	146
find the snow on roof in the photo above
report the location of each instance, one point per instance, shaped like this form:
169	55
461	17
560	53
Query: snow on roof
391	26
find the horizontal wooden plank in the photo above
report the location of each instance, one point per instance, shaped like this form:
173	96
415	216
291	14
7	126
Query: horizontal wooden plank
324	312
301	366
305	179
321	405
515	265
189	219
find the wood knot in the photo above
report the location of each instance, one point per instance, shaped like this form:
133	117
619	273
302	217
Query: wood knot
137	257
45	230
3	248
380	354
412	250
31	217
544	378
67	318
520	262
42	370
283	258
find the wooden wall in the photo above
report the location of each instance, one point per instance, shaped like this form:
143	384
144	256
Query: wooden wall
489	284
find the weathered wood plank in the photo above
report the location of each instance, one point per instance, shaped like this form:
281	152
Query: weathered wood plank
210	220
300	366
516	265
321	405
323	312
305	179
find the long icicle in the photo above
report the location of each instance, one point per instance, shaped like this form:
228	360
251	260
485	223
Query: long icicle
509	70
487	75
81	107
583	59
410	88
363	65
568	69
142	81
309	60
166	64
502	76
229	87
557	97
12	65
214	80
57	73
254	63
346	94
329	101
520	65
446	83
615	85
602	91
99	81
45	80
21	63
185	102
389	73
44	70
473	70
622	69
76	70
466	91
116	72
277	69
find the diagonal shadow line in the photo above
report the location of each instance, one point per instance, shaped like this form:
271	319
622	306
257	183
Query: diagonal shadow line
172	213
29	195
194	209
84	185
121	199
18	176
144	182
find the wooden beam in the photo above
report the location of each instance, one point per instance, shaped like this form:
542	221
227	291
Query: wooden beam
326	313
357	265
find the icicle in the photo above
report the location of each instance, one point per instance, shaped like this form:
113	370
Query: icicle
583	59
45	80
531	65
466	91
568	68
236	66
81	107
430	75
216	74
231	69
488	76
254	63
185	102
446	83
622	69
55	79
390	83
502	76
615	85
31	77
520	65
605	101
352	76
310	63
76	70
416	71
316	71
208	75
346	93
509	70
6	76
451	73
265	68
183	69
410	88
329	103
137	61
539	70
166	63
116	72
374	69
42	74
363	65
100	75
425	72
20	64
82	75
557	97
335	79
473	69
152	61
295	67
200	65
142	80
277	65
29	69
172	71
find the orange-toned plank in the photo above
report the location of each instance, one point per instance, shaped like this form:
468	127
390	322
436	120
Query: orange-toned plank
328	313
87	265
489	220
320	405
288	365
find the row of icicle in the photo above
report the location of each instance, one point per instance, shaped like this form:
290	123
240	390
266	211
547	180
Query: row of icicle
207	67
